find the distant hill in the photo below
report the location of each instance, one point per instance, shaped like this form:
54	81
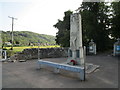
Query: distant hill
26	37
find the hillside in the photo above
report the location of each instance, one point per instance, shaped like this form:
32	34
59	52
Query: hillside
26	37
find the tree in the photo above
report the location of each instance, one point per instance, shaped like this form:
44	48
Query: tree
63	35
95	25
95	21
115	22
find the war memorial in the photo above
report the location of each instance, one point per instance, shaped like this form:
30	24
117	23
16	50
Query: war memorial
76	70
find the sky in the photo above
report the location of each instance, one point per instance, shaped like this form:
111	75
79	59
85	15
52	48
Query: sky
35	15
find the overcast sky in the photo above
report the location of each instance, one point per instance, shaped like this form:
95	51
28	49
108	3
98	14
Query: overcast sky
35	15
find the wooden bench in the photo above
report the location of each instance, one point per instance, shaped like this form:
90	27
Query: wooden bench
58	66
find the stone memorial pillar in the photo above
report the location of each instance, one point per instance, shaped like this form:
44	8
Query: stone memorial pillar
92	47
116	50
75	53
4	54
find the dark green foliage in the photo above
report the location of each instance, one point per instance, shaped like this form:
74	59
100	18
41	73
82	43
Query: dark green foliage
99	22
95	25
115	22
95	21
63	35
26	37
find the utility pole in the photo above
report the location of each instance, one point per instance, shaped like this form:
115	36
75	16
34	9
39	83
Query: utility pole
12	30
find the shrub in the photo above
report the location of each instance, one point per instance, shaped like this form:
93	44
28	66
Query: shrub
10	53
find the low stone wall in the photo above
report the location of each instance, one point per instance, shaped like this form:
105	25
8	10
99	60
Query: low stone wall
32	53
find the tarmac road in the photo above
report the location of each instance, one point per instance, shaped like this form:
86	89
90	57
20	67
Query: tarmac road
26	75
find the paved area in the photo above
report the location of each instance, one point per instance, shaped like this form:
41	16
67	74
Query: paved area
26	75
